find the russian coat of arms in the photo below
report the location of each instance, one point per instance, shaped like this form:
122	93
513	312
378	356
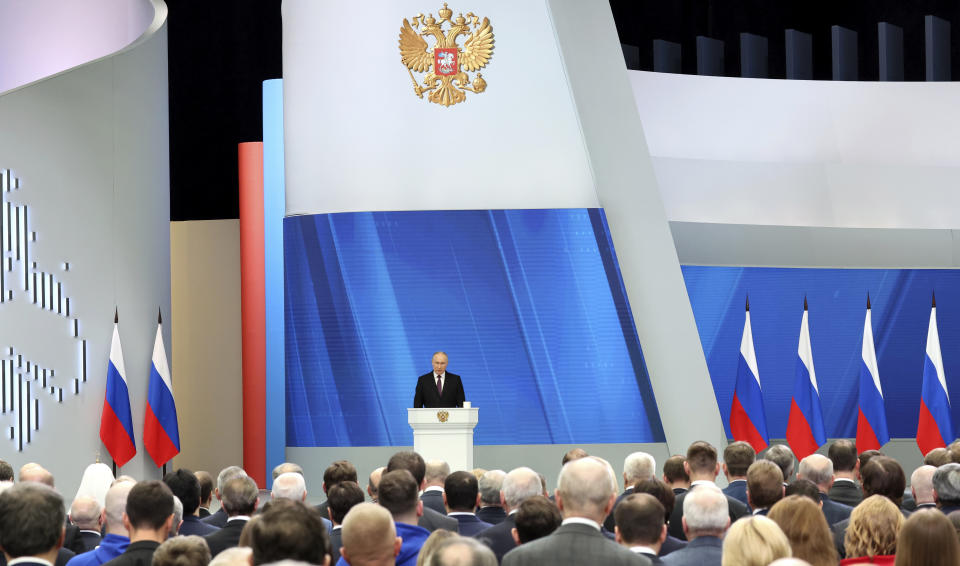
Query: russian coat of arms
447	64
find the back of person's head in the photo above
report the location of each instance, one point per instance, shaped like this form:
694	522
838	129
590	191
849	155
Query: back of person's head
801	519
954	517
660	491
206	485
462	551
865	456
6	471
584	487
882	475
874	527
520	484
937	457
640	519
674	471
341	498
928	538
571	455
185	485
286	468
818	469
369	535
843	454
764	484
436	471
177	517
805	488
701	458
337	472
399	493
289	485
639	466
490	485
432	543
33	472
782	456
288	530
182	551
115	505
705	511
738	456
239	496
409	461
236	556
228	474
921	484
946	485
31	520
461	490
536	517
754	541
149	505
85	513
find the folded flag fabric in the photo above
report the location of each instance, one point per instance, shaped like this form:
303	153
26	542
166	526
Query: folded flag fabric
116	421
748	421
935	429
871	414
161	436
805	430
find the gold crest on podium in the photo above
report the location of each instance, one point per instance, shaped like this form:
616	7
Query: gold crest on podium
447	64
442	416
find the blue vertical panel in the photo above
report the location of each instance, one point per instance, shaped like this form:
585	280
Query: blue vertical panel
936	34
666	56
844	53
890	38
274	209
799	46
710	60
753	56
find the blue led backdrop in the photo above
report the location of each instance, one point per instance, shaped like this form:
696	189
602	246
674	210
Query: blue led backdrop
529	305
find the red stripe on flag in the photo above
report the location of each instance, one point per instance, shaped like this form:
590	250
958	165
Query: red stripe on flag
799	434
115	437
866	438
928	433
742	427
156	440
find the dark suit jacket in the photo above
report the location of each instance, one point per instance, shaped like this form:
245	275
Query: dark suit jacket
87	541
493	514
654	559
204	512
573	543
322	508
671	544
498	537
846	493
434	500
701	551
736	507
137	554
610	522
192	525
218	519
63	556
737	490
470	525
833	511
427	395
336	541
431	520
227	537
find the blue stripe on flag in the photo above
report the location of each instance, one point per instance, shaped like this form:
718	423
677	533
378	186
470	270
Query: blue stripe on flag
751	398
808	402
871	403
161	403
936	399
118	397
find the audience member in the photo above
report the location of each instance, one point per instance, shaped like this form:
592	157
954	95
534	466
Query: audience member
148	518
754	541
188	550
236	556
288	530
339	471
865	457
846	466
662	492
921	487
206	493
434	541
955	521
461	551
289	485
737	458
764	486
86	513
33	472
805	488
927	539
536	518
31	523
937	457
585	493
286	468
789	562
399	495
219	519
518	486
116	537
702	467
706	516
369	536
413	463
373	481
185	485
239	499
491	511
782	456
874	527
461	495
6	471
675	474
946	487
543	484
478	472
880	475
806	528
636	466
177	518
641	525
435	474
341	497
574	454
819	469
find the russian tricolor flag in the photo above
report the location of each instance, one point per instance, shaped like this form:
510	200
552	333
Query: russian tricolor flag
748	422
805	431
872	416
161	436
935	429
116	421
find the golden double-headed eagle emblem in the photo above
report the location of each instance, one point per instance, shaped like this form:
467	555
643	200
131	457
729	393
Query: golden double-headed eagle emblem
447	64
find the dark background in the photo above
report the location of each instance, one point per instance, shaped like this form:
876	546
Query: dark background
222	50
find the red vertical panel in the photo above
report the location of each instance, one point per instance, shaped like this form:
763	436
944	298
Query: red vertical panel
253	309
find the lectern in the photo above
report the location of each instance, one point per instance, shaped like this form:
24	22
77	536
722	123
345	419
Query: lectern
444	434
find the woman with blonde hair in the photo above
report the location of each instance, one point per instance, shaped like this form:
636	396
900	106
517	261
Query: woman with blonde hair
928	539
806	528
754	541
872	534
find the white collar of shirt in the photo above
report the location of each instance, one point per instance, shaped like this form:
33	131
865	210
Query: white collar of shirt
581	521
835	480
640	549
700	482
336	527
443	376
434	488
89	531
757	511
234	518
28	559
455	513
512	512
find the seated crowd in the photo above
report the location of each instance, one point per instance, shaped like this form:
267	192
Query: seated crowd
843	508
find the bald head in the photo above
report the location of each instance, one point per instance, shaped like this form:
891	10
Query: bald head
921	484
373	482
436	472
85	513
586	488
289	485
518	485
36	473
818	469
116	505
705	512
369	536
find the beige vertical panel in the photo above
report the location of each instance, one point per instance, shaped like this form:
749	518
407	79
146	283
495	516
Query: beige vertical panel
206	353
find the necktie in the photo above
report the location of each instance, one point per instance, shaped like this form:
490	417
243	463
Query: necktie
439	386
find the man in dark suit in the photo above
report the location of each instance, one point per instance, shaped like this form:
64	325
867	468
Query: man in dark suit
674	474
339	471
819	469
662	493
585	493
705	519
432	496
737	457
85	513
292	486
31	524
846	465
781	455
946	487
641	525
148	517
764	486
289	530
219	519
369	536
413	463
518	486
636	466
461	496
116	538
921	486
702	468
536	518
239	498
341	498
491	511
438	388
185	485
206	493
881	475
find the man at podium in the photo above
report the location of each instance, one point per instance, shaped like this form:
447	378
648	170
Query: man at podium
439	389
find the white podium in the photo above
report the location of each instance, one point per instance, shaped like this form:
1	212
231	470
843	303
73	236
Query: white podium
444	434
